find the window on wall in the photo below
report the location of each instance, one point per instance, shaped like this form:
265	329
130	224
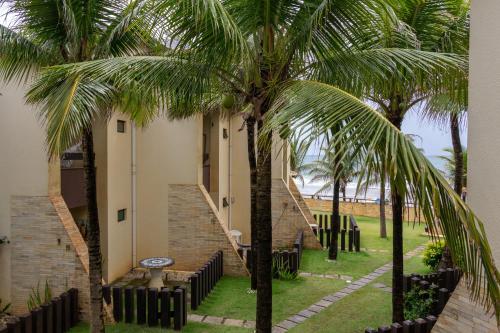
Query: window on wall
120	126
122	215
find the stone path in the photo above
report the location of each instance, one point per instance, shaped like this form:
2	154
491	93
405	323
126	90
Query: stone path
327	276
221	321
327	301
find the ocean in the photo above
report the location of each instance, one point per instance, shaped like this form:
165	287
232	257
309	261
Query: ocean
308	188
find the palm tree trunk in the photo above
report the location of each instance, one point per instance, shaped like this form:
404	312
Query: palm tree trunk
250	124
94	246
264	236
383	225
457	153
333	250
397	242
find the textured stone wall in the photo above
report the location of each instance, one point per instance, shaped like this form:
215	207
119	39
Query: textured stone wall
196	231
46	246
461	315
288	219
300	200
358	209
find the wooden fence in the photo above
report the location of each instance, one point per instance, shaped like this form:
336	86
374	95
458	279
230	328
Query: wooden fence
349	228
205	279
442	284
58	316
148	305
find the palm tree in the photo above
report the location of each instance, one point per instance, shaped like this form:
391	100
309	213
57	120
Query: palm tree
252	50
55	32
451	167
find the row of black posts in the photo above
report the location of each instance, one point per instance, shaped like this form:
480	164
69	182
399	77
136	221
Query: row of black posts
440	285
325	232
152	306
205	279
57	316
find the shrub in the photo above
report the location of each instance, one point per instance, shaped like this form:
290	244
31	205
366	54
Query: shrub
4	309
281	270
418	303
433	254
36	299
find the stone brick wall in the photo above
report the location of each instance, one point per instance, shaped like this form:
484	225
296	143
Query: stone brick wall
358	209
300	200
46	246
461	315
288	219
196	231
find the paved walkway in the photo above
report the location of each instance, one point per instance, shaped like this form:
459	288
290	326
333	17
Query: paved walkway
221	321
327	301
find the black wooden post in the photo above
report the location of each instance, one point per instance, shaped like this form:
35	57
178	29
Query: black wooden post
27	323
328	237
117	304
406	283
199	297
194	292
321	237
178	316
344	219
294	261
321	221
408	326
75	310
13	325
57	315
129	304
357	238
443	296
351	240
48	318
184	305
152	307
396	328
141	305
384	329
165	308
66	312
415	281
37	315
420	325
106	294
342	240
222	263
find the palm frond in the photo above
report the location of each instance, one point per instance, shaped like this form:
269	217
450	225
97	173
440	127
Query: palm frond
315	105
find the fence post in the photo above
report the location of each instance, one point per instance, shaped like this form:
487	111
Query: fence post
48	317
443	296
321	237
342	240
384	329
396	328
106	294
117	304
129	304
66	312
57	315
357	239
420	325
431	321
165	308
13	325
37	316
194	292
27	323
408	326
152	307
184	305
222	263
141	305
75	310
178	316
321	221
344	220
294	261
351	240
328	237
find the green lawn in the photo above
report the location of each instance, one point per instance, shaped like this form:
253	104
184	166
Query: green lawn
376	251
191	327
231	299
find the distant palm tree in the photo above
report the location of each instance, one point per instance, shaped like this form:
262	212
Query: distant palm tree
55	32
450	166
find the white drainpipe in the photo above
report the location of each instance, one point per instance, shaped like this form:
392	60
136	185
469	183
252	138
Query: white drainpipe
134	195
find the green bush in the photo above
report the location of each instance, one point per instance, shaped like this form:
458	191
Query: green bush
418	303
433	254
36	299
281	270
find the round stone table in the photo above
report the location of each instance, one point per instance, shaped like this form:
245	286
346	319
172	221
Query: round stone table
155	266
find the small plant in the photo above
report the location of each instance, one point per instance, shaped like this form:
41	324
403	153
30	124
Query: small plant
418	303
433	254
281	270
4	309
36	299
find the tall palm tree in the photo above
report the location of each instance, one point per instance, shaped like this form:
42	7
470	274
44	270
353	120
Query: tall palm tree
253	49
53	32
451	167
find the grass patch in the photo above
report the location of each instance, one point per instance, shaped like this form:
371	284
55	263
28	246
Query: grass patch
366	307
230	297
412	265
191	327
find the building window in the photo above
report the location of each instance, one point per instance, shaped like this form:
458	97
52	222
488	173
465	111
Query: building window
120	126
122	215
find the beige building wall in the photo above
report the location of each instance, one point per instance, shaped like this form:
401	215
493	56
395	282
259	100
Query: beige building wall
114	192
23	165
168	152
460	314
